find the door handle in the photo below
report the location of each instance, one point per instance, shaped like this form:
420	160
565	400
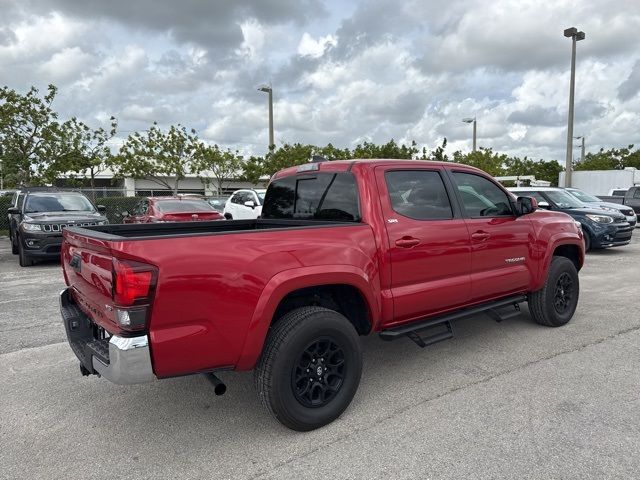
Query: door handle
407	242
480	236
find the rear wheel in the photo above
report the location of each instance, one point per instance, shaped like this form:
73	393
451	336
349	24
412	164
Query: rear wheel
555	303
310	368
24	259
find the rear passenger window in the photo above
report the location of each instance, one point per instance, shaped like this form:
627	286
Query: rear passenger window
418	194
482	197
324	196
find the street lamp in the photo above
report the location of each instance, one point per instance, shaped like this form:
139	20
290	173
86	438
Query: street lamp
575	36
581	137
472	120
269	90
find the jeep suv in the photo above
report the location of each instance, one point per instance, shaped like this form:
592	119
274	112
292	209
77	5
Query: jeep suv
37	216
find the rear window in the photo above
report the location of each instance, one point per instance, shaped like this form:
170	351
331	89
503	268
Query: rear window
181	206
322	196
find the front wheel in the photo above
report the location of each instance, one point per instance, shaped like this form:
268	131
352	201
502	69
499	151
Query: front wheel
587	242
14	242
555	303
24	259
310	368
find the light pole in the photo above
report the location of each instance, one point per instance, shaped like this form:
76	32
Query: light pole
575	36
269	90
581	137
472	120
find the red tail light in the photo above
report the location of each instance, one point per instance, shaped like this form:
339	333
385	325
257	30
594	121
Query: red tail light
133	282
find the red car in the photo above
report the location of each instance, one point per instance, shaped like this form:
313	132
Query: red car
399	248
171	209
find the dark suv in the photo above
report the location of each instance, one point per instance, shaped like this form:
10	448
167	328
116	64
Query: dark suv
601	228
37	216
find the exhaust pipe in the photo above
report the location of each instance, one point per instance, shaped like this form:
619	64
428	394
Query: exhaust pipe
219	386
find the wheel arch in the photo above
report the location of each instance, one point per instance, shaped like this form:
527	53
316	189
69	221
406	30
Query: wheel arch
348	288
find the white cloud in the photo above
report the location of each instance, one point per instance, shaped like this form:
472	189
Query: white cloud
409	71
311	47
69	63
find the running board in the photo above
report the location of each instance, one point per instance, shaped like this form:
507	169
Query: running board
413	329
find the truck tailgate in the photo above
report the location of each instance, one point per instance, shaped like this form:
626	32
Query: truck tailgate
87	265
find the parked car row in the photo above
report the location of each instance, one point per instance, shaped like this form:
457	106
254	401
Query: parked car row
603	225
37	215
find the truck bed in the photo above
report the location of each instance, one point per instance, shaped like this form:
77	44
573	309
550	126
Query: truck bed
162	230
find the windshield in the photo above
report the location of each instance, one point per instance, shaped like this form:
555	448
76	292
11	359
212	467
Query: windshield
57	202
563	199
217	203
184	206
261	194
584	197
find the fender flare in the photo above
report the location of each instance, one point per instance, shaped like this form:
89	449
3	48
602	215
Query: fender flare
556	241
283	283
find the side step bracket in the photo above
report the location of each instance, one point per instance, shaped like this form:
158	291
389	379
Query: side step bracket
413	329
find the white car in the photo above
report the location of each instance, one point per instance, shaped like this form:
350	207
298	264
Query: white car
244	204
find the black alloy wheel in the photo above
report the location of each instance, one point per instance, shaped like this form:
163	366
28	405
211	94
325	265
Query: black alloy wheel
319	373
563	293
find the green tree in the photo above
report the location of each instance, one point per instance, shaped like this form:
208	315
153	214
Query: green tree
216	166
252	169
30	134
438	154
332	153
632	159
389	150
543	169
87	151
611	159
484	159
285	156
158	156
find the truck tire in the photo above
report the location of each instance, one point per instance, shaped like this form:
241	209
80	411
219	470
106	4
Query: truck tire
24	259
555	303
310	368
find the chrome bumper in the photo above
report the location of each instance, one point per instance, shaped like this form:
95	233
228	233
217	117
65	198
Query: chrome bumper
122	360
129	361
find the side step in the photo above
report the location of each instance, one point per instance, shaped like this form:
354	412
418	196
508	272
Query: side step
413	329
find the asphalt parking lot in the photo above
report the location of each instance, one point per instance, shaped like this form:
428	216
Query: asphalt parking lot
508	400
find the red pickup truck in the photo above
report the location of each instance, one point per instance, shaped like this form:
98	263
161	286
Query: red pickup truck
343	248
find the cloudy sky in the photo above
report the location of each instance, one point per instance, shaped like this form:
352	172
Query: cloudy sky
342	72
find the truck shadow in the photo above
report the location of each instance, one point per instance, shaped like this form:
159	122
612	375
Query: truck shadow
397	375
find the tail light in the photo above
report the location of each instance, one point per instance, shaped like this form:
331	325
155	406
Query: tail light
133	287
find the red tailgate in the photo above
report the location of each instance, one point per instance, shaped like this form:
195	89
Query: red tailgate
87	265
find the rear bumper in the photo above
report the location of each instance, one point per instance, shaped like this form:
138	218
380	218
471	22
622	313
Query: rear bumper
121	360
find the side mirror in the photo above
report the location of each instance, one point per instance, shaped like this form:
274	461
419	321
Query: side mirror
544	205
101	208
13	211
250	203
526	205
